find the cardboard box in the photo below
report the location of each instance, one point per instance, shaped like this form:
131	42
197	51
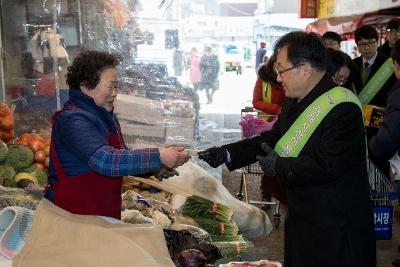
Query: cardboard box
179	131
139	109
145	130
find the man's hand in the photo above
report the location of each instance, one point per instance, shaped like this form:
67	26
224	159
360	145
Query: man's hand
165	173
173	157
214	156
267	163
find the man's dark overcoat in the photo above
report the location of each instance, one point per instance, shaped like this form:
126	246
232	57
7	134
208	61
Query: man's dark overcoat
329	221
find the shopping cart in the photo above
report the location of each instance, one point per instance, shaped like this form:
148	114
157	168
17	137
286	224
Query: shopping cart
253	122
384	198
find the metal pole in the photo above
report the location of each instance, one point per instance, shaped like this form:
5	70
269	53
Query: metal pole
56	9
2	60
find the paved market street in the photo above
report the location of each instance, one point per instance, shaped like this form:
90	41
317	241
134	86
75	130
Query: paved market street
235	91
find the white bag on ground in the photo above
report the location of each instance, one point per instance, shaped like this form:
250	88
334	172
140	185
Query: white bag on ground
193	180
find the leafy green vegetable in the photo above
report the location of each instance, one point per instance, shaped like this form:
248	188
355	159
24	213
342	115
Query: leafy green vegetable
19	156
198	207
3	150
8	173
215	218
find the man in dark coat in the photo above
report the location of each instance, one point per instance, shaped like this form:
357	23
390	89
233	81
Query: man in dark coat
386	143
329	220
370	61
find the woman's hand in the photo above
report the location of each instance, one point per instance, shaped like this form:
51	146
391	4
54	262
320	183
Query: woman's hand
173	157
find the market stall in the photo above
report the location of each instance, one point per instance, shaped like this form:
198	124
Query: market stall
155	108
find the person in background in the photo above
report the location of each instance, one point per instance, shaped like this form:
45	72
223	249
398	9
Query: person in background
193	64
386	143
260	54
178	62
268	94
369	63
342	69
332	40
375	84
88	155
209	69
329	220
393	34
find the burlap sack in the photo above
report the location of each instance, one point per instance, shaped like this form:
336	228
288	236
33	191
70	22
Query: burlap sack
60	238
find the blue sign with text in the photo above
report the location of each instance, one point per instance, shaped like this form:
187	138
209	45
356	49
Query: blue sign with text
383	219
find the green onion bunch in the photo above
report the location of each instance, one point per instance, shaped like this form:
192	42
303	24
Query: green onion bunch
198	207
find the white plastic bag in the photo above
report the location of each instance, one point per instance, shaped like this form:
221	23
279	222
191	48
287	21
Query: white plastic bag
193	180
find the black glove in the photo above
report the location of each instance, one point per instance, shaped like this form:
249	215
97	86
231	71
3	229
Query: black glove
267	163
164	173
214	156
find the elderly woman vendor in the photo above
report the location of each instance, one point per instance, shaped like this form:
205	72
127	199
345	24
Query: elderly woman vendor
88	155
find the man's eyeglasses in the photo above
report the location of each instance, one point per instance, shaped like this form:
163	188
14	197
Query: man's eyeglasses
281	72
365	44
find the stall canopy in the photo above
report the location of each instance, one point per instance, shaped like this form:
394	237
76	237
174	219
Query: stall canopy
348	24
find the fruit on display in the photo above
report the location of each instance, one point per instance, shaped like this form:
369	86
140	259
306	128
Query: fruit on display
24	162
23	179
39	146
38	173
6	124
191	258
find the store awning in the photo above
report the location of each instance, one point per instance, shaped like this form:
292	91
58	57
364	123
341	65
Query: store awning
348	24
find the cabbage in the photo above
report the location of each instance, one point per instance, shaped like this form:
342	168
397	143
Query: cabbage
3	150
8	173
19	156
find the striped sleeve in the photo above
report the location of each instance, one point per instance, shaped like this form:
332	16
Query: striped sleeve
113	162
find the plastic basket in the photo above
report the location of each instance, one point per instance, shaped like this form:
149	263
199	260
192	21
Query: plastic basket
253	123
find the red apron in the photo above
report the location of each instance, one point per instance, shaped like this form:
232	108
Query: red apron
90	193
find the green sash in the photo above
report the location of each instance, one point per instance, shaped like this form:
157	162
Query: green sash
377	81
293	141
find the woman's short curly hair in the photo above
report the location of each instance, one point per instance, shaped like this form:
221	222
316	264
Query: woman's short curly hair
87	67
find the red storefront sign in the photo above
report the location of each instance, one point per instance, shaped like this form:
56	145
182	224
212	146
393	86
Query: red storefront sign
308	8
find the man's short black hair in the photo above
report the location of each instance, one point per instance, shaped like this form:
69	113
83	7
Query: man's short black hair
395	54
333	36
393	24
366	32
303	47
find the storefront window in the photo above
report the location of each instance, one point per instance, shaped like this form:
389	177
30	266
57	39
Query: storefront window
158	103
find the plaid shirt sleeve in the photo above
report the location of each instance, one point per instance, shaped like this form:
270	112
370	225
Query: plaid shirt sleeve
119	162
